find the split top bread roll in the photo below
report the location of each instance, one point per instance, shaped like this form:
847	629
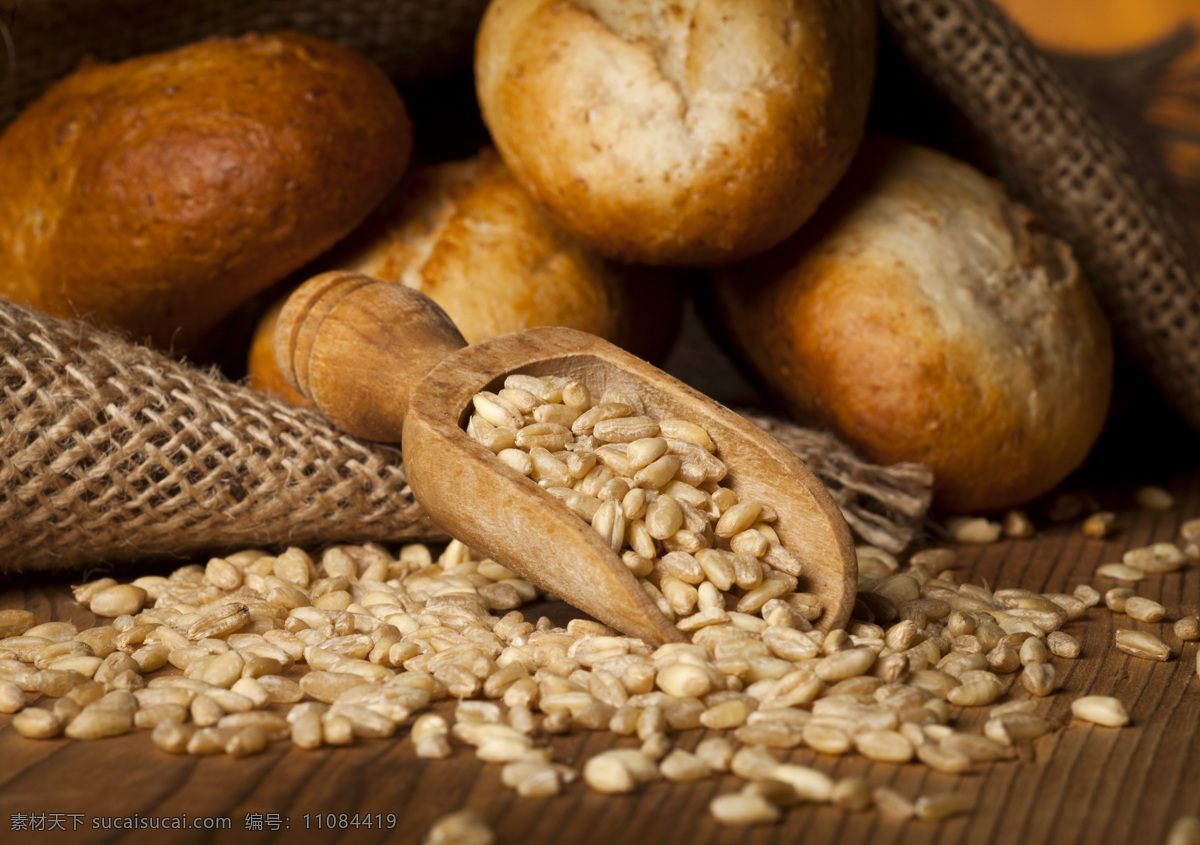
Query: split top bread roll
923	316
465	234
677	133
156	195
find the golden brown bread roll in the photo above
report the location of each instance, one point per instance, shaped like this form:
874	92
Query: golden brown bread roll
925	317
466	235
157	194
262	368
677	133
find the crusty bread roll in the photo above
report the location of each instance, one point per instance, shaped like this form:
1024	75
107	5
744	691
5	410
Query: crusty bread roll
466	235
157	194
679	133
925	317
262	368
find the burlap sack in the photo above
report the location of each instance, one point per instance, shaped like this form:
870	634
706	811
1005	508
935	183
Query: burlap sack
112	452
42	40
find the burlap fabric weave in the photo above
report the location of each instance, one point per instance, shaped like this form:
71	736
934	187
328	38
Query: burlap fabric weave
1076	172
112	452
42	40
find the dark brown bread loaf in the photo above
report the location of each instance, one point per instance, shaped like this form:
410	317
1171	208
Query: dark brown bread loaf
157	194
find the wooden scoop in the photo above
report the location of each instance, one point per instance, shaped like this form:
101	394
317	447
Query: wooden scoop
382	360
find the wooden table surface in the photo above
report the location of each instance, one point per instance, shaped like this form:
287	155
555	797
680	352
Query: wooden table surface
1079	784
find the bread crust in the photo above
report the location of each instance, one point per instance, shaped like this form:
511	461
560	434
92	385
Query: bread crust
925	317
155	195
682	133
465	234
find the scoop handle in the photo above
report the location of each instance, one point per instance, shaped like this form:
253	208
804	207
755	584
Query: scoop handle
356	346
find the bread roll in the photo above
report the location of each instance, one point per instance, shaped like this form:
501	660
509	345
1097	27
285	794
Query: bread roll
262	368
677	133
157	194
467	236
925	317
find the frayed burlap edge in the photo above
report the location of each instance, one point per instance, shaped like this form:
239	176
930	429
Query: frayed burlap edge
884	506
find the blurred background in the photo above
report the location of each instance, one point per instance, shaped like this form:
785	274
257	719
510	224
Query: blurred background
1139	61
